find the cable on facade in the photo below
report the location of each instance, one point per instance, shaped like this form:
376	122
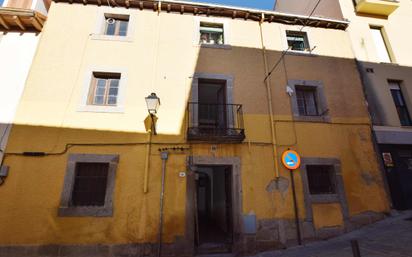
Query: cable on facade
287	50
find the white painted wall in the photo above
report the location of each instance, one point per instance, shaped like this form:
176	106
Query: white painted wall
17	52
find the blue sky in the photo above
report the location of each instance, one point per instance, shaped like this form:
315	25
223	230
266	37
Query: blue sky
1	2
257	4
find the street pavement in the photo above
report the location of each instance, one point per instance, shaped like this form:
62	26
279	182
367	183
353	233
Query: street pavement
391	237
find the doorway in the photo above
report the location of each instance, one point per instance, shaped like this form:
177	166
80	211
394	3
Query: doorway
212	104
214	209
398	170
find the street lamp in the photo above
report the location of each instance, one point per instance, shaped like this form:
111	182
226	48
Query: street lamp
153	103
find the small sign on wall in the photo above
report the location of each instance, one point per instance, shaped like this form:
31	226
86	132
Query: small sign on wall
387	160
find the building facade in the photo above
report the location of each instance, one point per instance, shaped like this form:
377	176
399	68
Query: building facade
89	177
384	62
20	25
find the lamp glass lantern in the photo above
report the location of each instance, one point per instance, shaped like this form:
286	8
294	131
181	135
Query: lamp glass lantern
153	103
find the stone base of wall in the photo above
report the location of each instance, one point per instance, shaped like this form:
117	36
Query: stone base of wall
281	233
270	235
120	250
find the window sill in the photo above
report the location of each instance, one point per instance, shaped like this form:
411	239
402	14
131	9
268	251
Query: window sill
102	109
312	118
91	211
325	198
390	63
227	47
300	53
111	38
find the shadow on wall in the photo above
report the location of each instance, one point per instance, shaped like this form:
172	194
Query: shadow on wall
38	155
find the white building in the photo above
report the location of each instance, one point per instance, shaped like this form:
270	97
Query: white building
21	22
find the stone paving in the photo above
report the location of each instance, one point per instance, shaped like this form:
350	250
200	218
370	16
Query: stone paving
391	237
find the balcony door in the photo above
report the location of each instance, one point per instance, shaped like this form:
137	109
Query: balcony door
212	104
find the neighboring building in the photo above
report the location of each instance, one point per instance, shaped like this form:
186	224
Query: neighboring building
85	175
385	63
20	24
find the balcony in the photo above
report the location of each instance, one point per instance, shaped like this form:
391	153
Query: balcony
377	7
222	123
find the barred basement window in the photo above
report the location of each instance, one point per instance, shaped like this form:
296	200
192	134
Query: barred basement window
321	179
90	184
211	33
297	40
116	25
104	89
306	97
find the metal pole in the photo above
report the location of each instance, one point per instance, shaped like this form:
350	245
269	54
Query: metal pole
152	116
355	248
295	205
164	156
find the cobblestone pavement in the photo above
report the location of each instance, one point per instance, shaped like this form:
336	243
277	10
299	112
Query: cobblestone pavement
391	237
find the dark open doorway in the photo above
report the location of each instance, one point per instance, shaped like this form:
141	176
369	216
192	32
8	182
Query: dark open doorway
212	104
214	212
398	167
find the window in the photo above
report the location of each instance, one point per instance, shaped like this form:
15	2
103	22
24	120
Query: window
116	25
400	104
89	185
211	33
321	179
104	89
297	41
307	101
380	44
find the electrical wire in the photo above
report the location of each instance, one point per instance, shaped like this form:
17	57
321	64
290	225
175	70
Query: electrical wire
287	50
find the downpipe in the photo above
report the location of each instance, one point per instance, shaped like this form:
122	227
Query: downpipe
164	156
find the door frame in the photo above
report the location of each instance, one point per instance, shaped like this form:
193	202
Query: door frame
195	93
234	162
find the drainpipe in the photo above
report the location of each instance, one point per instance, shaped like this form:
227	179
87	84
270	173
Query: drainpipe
147	164
270	103
164	156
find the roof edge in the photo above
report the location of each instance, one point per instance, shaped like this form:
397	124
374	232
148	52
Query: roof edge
198	8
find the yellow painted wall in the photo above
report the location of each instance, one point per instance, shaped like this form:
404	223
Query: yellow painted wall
162	58
327	215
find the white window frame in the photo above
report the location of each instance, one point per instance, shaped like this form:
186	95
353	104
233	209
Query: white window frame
119	108
385	42
226	32
283	36
98	33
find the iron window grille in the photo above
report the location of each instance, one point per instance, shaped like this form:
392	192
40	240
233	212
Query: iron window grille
321	179
90	183
215	122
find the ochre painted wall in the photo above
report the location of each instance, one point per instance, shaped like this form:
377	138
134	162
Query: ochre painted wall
48	119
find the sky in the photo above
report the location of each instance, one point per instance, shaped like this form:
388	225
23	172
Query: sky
257	4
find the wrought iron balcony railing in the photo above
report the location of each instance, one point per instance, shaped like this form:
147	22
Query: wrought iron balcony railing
215	122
